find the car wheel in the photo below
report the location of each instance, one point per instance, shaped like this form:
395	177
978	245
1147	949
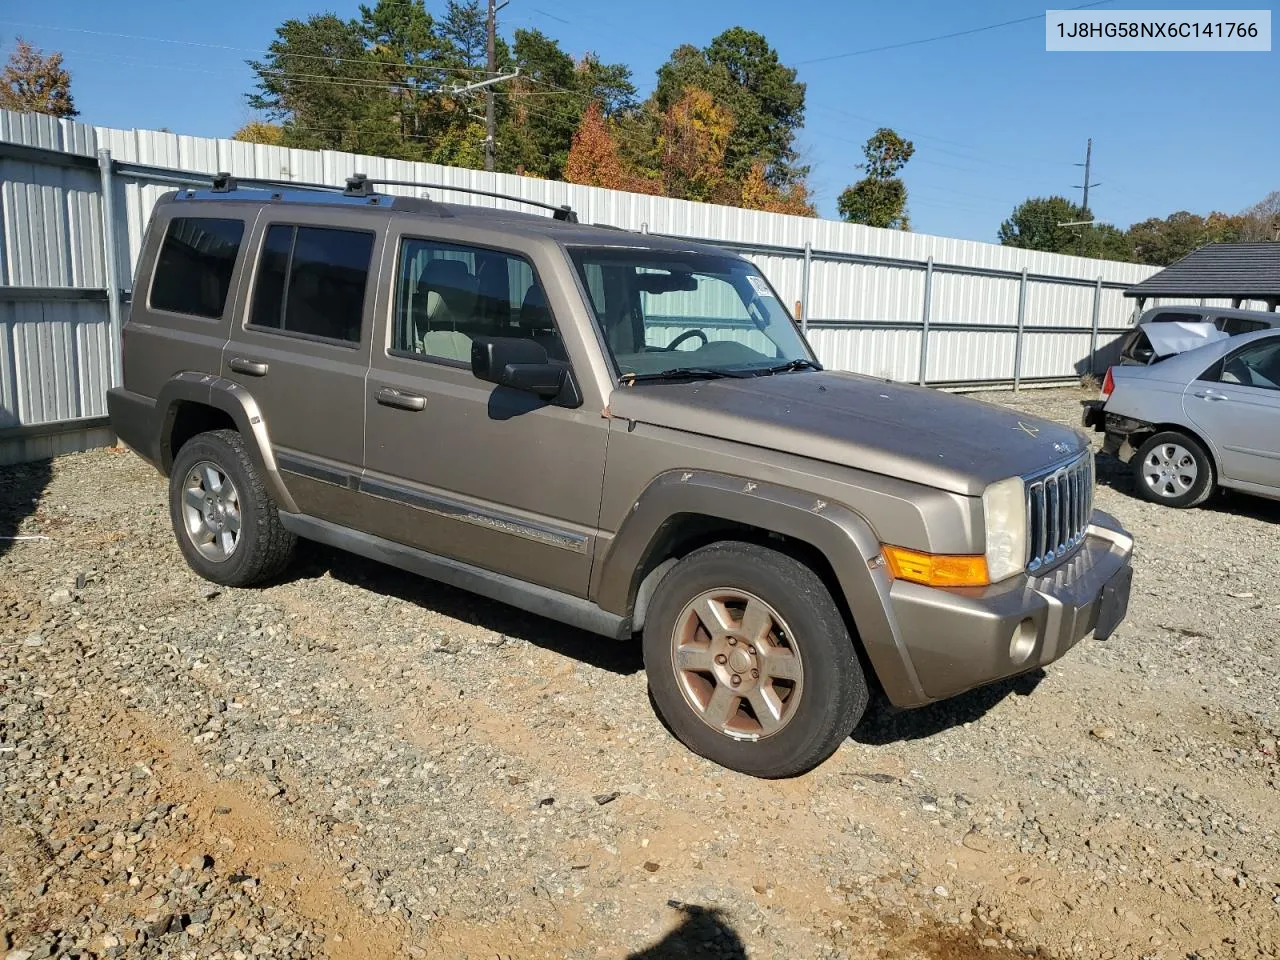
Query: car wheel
750	662
226	523
1172	469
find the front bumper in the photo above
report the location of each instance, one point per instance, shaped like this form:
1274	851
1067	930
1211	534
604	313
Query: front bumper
959	639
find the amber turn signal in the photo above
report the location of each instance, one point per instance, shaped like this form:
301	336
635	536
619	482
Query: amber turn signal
937	570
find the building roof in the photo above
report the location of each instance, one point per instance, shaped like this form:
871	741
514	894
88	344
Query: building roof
1250	271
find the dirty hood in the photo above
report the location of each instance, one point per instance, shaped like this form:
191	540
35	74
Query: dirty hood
937	439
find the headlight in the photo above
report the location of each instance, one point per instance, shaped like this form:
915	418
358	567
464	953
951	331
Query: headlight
1004	506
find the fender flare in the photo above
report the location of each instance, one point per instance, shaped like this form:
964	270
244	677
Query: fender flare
238	403
840	534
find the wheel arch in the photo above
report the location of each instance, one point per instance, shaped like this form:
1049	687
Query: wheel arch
681	511
191	403
1148	432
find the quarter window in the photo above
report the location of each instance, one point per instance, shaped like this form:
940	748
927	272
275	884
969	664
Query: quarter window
311	281
193	272
448	294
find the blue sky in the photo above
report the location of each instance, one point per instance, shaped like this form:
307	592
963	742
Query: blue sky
994	118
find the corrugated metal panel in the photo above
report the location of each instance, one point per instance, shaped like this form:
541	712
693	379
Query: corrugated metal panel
54	361
958	356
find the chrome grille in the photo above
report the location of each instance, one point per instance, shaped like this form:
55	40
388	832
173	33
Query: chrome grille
1059	506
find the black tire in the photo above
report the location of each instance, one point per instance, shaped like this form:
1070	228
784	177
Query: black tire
833	695
1168	492
264	547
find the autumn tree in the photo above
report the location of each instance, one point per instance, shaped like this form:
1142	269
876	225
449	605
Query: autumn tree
694	136
1263	219
759	194
880	198
33	83
258	131
594	159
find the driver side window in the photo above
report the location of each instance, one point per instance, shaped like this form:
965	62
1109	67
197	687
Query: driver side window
1257	365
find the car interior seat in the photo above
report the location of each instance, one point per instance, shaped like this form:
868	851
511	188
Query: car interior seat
447	299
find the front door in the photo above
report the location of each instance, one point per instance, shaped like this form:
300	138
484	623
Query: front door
301	348
1237	407
460	468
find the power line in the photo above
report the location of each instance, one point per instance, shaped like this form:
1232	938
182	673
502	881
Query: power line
941	36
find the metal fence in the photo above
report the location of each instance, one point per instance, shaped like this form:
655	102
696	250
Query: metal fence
75	200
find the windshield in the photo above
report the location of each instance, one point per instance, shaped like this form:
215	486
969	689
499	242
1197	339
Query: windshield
662	312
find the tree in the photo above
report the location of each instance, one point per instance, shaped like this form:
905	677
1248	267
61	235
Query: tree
1263	219
880	198
594	159
1036	224
257	131
743	75
33	83
465	28
694	137
759	194
1161	242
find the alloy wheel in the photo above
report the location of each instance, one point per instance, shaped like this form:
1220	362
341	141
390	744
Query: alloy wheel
211	511
737	663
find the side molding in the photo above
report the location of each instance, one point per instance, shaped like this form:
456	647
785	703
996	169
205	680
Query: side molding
543	601
238	403
841	535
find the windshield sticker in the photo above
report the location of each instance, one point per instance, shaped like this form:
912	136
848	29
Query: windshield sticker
759	286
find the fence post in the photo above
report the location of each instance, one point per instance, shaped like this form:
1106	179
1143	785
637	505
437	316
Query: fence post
804	287
111	264
1022	316
924	320
1093	333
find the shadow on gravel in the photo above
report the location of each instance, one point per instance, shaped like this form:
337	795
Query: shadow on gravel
20	490
702	933
884	725
313	560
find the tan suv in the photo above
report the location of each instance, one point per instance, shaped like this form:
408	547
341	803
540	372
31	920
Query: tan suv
618	431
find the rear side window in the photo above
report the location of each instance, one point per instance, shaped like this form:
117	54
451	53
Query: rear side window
1168	317
1234	326
193	272
311	281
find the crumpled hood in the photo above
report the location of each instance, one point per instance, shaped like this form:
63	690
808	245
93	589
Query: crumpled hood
937	439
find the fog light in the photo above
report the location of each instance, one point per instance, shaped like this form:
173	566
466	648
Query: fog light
1023	642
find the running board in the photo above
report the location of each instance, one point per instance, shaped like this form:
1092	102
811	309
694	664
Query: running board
543	601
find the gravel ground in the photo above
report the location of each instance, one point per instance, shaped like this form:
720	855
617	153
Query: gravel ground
357	763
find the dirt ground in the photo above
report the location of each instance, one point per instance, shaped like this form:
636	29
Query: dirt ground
355	763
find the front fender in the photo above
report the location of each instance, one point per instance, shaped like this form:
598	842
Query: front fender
238	403
840	534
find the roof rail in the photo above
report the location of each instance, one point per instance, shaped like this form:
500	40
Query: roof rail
359	185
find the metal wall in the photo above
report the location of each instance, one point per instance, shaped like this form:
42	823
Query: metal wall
902	305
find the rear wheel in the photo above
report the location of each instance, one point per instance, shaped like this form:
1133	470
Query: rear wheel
226	523
1172	469
750	662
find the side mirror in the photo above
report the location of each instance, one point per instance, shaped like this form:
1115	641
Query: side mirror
517	363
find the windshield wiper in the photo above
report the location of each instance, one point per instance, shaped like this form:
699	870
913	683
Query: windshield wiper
684	373
800	363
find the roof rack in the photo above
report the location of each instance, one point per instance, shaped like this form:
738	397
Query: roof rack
224	182
360	185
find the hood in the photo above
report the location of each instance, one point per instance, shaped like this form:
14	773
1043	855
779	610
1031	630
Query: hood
937	439
1170	337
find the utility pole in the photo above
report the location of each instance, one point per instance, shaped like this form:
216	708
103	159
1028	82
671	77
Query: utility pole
1088	166
490	140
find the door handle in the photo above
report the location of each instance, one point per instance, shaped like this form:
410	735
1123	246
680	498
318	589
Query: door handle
250	368
389	397
1211	395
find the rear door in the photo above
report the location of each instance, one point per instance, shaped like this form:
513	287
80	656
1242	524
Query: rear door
1236	404
301	348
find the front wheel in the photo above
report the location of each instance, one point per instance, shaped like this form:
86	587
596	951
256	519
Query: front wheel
750	661
1173	470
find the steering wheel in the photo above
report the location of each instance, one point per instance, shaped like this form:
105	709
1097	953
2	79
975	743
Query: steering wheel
685	336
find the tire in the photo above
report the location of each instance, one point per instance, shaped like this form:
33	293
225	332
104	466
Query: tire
1173	470
236	538
809	678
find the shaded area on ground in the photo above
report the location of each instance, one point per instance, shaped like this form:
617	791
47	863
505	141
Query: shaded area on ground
21	487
